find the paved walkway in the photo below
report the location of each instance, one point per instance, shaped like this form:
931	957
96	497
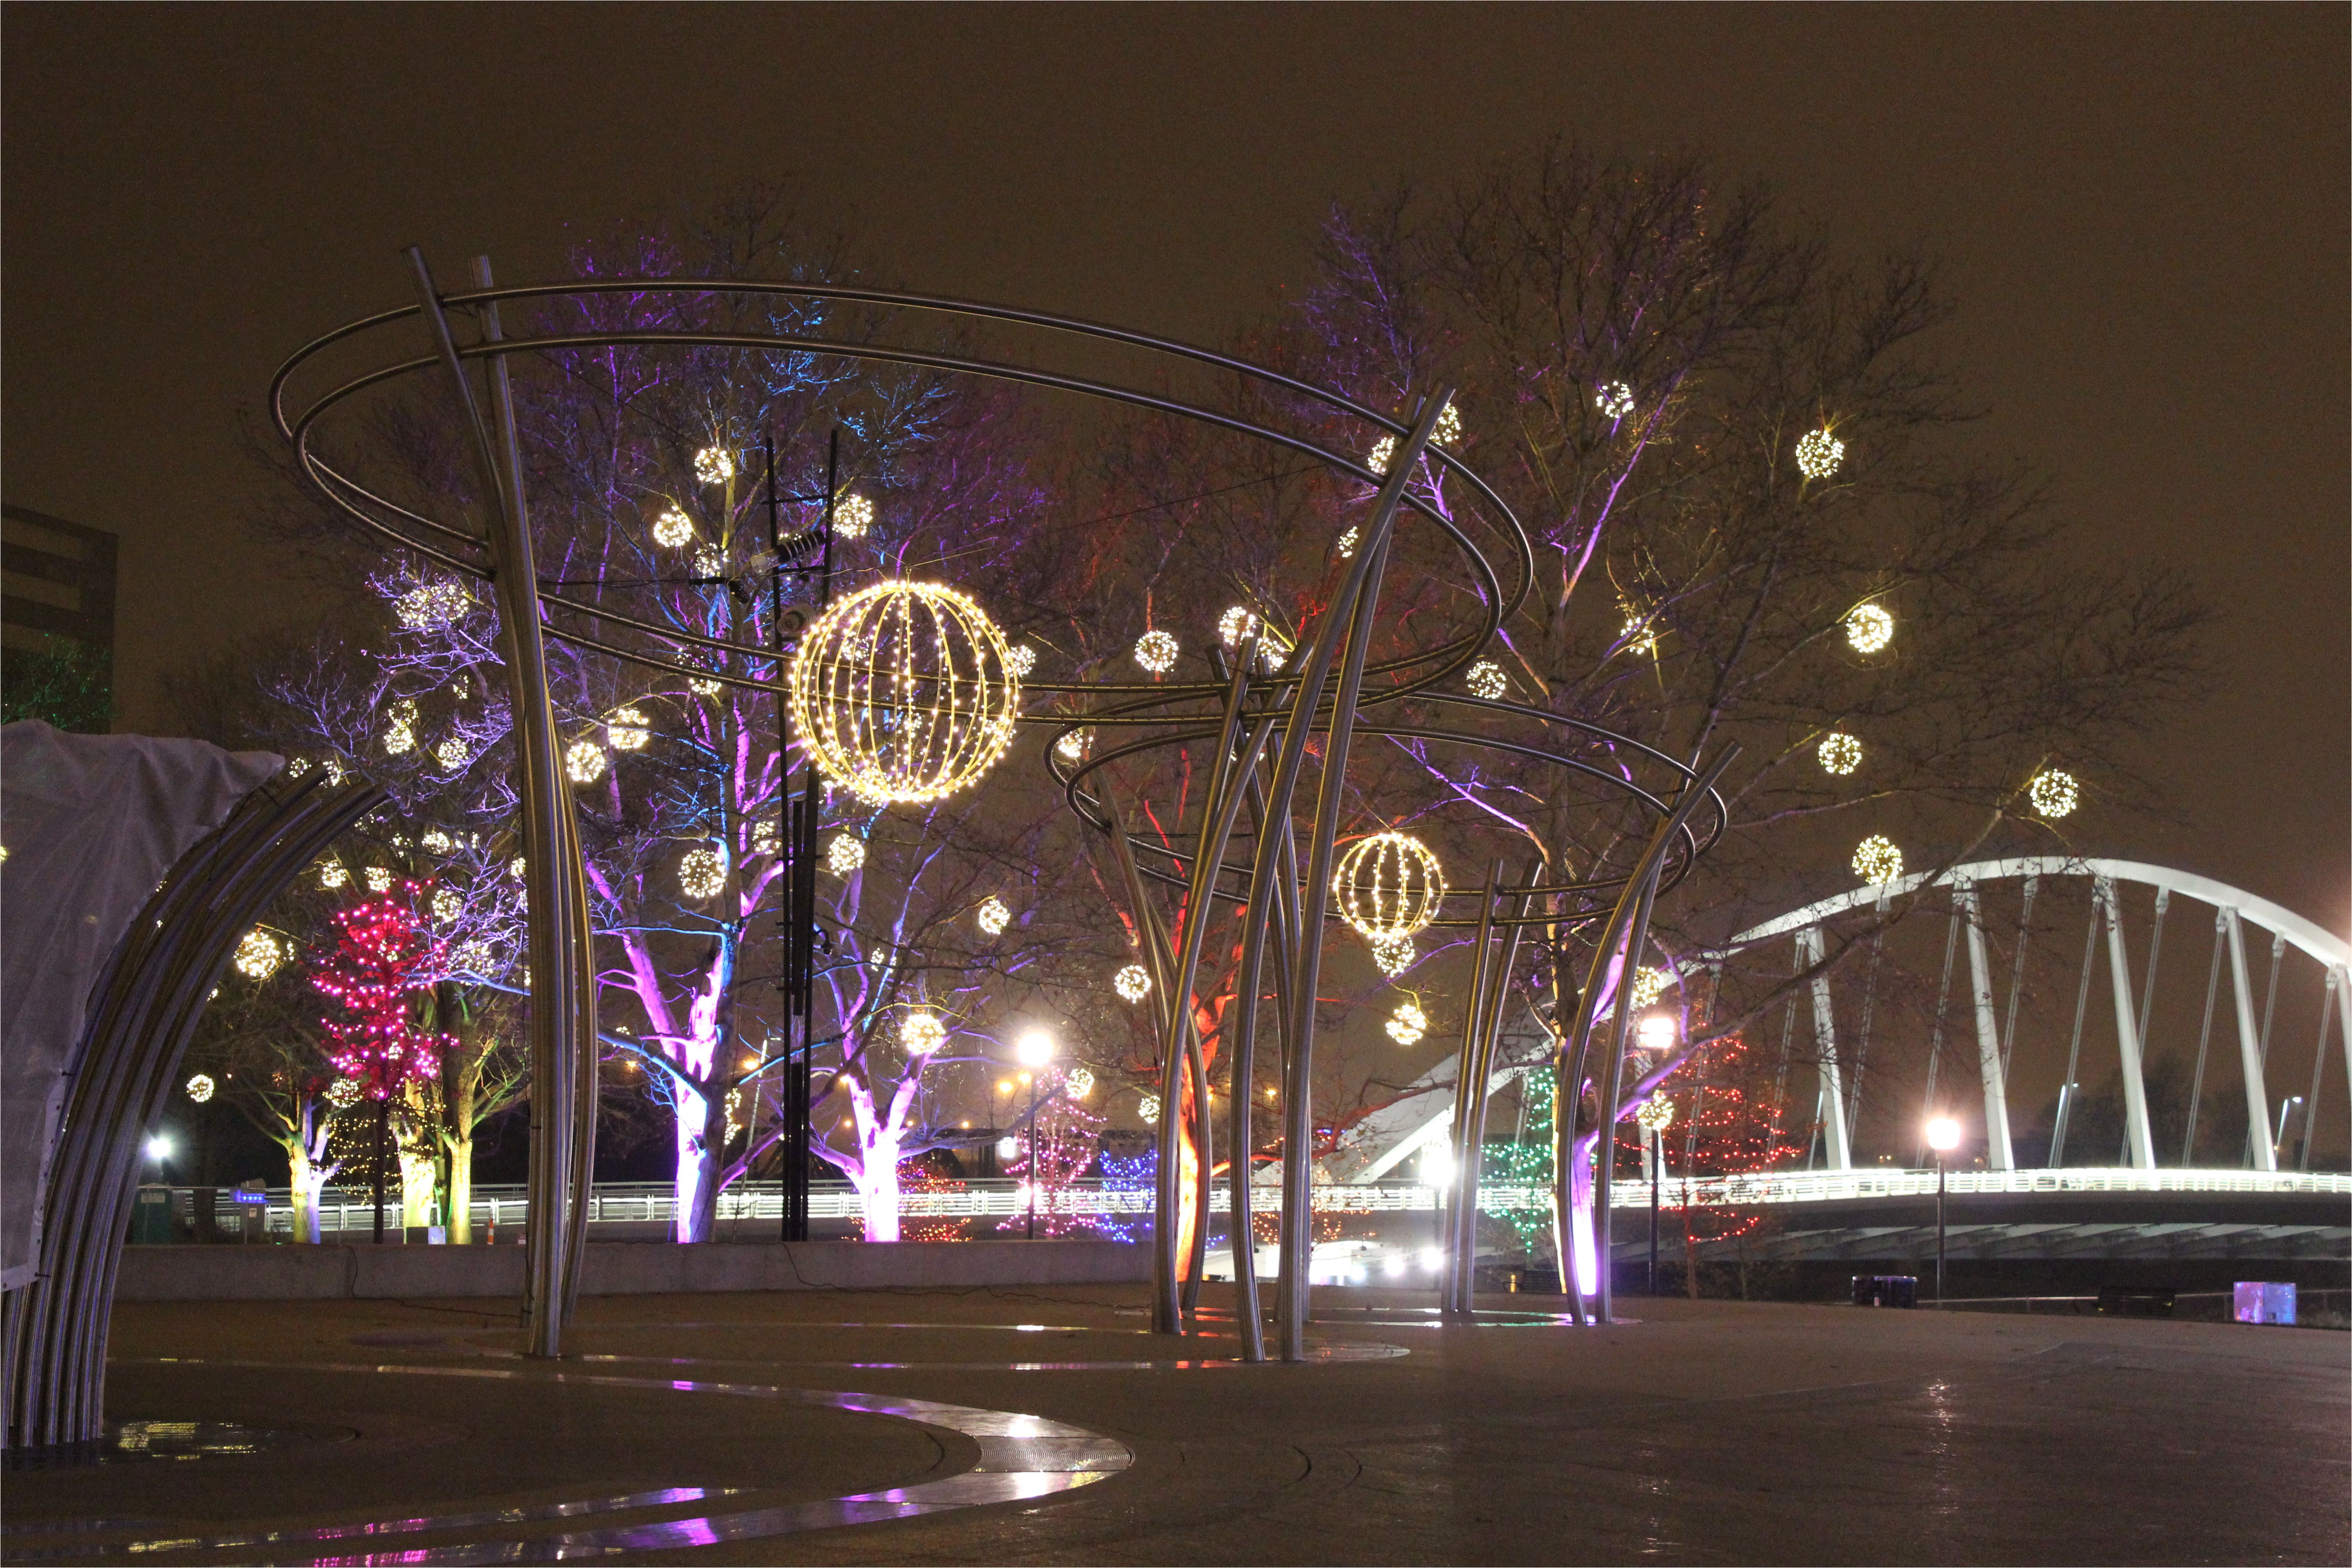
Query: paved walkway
1005	1426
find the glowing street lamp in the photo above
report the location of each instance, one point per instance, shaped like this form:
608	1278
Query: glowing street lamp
1033	1050
1943	1137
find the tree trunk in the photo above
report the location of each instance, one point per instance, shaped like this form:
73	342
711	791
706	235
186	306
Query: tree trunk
458	1139
304	1182
878	1189
702	1134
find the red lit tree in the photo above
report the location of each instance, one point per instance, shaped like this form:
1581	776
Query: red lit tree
385	962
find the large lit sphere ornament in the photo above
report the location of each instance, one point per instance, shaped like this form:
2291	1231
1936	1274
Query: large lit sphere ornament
1658	1112
1347	544
331	875
1393	954
1072	747
343	1093
701	871
585	762
1840	752
921	1032
993	915
1649	985
1819	453
1383	449
258	954
1869	628
1080	1082
1407	1024
1388	886
1613	398
628	730
673	529
2054	792
1149	1110
432	605
714	466
1236	623
1485	680
1132	984
1023	658
1877	860
1156	651
845	855
200	1088
904	692
853	517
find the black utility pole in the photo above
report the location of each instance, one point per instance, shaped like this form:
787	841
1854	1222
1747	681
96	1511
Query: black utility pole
382	1126
1657	1179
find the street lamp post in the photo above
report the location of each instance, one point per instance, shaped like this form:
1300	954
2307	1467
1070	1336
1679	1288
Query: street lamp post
1943	1137
1033	1050
1654	1115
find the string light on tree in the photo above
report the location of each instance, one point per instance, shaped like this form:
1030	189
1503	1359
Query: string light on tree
701	871
1072	747
1637	633
379	878
1149	1110
517	867
714	466
1080	1082
1393	955
628	729
446	905
767	837
845	855
1658	1112
400	728
331	875
1407	1022
1485	680
343	1093
453	755
709	561
1346	545
1388	885
437	841
852	516
383	958
584	762
2054	792
431	605
921	1032
924	706
673	529
1133	983
1236	623
1156	651
1840	752
1877	860
258	954
1649	985
993	915
200	1088
1819	453
1869	628
1613	398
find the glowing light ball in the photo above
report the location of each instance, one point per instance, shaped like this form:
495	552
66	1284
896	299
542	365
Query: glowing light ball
904	692
446	905
1236	623
714	466
1008	1147
1346	543
1819	453
584	762
1377	459
709	561
1449	427
399	736
703	685
343	1093
2054	792
432	605
1637	633
1613	398
1485	679
845	855
673	529
1023	658
1943	1134
1840	752
1649	985
1394	955
921	1032
379	878
1658	1112
438	842
1876	859
1156	651
767	836
331	874
1133	983
1072	747
1407	1023
852	516
1034	1050
1656	1033
993	915
517	867
1149	1110
701	871
200	1088
1869	628
1388	886
628	730
1081	1083
258	954
453	755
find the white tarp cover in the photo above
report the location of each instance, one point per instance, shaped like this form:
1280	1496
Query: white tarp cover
92	824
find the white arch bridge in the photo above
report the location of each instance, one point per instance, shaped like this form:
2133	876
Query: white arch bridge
1974	1029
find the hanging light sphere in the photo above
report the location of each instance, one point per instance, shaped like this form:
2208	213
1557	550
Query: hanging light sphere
845	855
1869	628
1023	658
1388	885
446	905
767	837
431	604
1649	985
1840	752
1133	983
2055	793
1658	1112
200	1088
258	954
714	466
1485	680
1236	623
1156	651
1072	747
379	878
1819	453
1346	543
343	1093
904	692
1393	955
1877	860
701	871
672	529
517	867
1079	1081
1149	1110
331	874
1377	459
852	516
993	915
1407	1022
921	1032
584	762
628	730
1613	398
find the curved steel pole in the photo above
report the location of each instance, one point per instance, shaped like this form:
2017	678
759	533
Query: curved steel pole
1468	1085
1605	1154
1469	1161
1282	918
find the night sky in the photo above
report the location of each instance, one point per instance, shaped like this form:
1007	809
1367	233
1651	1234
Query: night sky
2143	213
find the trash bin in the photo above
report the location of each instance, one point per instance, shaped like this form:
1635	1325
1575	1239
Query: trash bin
1886	1290
151	1217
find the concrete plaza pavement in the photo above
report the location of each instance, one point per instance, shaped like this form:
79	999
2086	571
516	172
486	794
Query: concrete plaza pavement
1701	1432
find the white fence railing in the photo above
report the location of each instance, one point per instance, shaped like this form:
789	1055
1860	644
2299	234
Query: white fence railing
654	1202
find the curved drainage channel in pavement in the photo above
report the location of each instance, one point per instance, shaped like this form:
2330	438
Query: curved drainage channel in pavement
1021	1456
